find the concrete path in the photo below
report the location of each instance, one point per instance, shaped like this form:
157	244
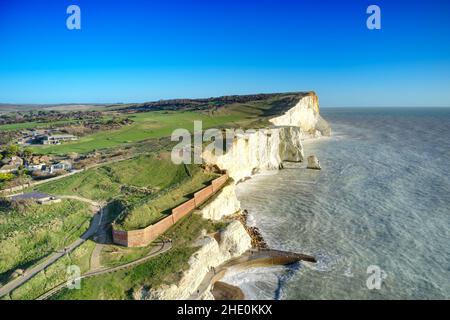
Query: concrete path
85	200
102	237
31	272
95	257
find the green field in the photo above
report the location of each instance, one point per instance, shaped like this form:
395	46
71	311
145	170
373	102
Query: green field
146	125
33	125
156	271
29	233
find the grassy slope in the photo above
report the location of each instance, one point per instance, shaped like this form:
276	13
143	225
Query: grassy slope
104	183
161	269
154	210
30	234
171	183
54	274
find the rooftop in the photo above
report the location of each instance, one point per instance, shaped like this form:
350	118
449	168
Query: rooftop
31	196
61	136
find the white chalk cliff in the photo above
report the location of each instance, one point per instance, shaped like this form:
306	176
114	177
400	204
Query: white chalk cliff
260	150
223	204
305	115
234	241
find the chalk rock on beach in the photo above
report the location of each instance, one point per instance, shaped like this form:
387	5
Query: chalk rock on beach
313	163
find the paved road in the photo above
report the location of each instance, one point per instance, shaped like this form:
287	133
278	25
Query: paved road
29	273
165	246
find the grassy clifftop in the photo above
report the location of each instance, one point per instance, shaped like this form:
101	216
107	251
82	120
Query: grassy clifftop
159	119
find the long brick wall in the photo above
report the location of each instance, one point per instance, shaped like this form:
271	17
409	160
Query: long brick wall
143	237
202	195
182	210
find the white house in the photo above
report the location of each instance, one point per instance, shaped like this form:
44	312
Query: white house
63	165
35	167
58	138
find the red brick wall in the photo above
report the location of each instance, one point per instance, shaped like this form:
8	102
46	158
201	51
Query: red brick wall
202	195
136	238
120	237
219	182
160	227
182	210
142	237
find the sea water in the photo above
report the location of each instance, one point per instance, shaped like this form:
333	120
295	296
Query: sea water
377	216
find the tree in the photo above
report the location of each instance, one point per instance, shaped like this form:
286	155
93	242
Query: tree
27	153
11	150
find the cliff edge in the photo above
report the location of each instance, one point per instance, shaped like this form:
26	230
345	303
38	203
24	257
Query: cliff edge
260	150
305	115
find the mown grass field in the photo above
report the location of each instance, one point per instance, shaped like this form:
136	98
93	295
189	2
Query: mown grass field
106	182
32	232
146	125
162	269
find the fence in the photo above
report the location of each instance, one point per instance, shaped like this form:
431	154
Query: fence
143	237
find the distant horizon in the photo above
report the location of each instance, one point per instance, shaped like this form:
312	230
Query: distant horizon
139	50
206	97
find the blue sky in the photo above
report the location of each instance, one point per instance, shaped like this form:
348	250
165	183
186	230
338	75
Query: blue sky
136	50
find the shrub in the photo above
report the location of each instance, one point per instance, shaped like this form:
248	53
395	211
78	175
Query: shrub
6	177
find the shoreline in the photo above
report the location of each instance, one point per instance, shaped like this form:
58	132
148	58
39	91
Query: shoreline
229	290
258	240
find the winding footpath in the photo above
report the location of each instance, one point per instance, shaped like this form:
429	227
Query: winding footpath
164	247
29	273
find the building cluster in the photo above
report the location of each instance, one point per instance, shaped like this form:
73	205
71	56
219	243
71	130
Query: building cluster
44	137
42	165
